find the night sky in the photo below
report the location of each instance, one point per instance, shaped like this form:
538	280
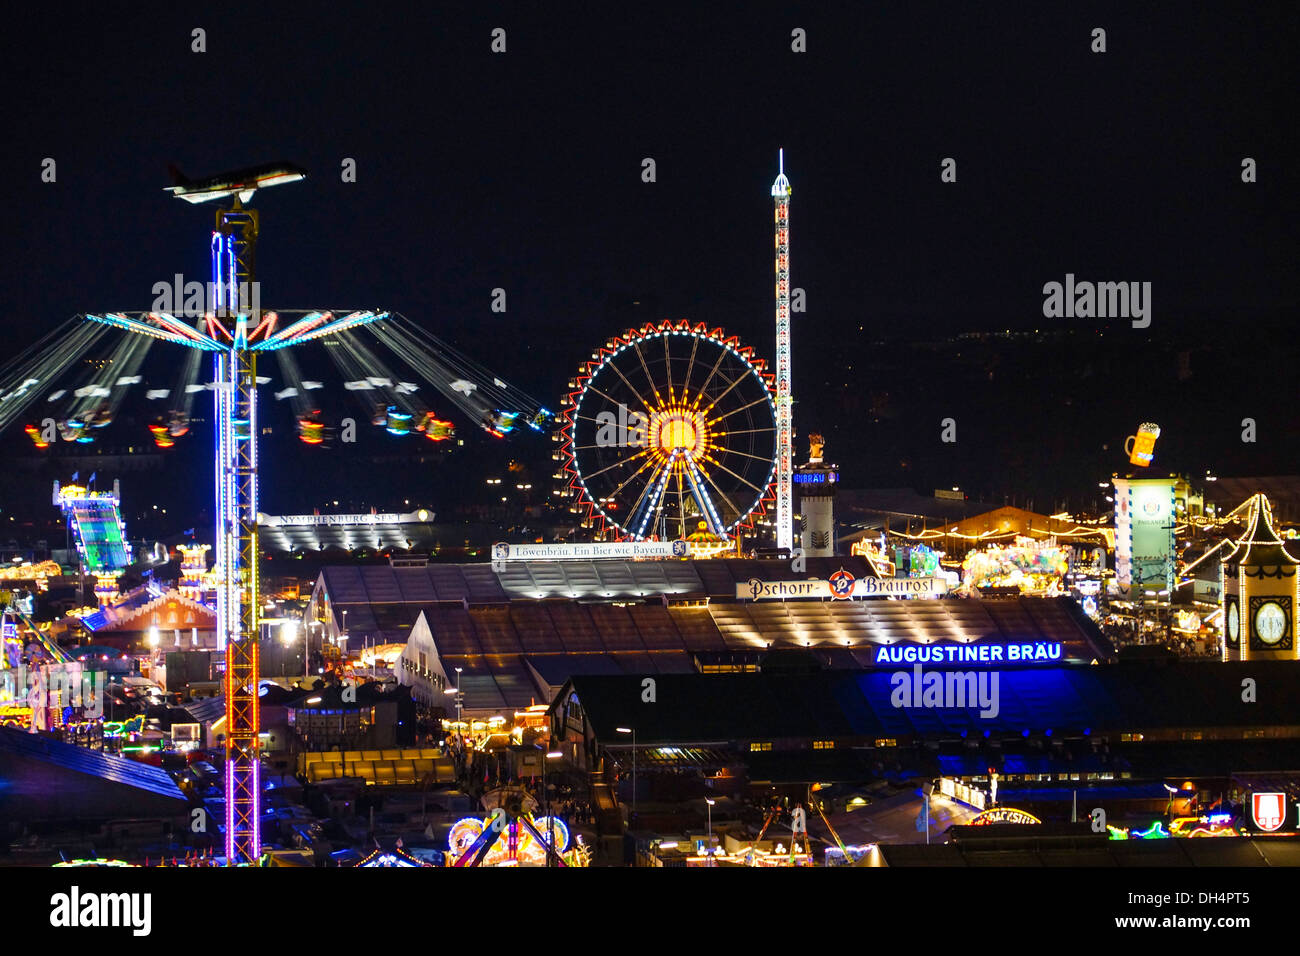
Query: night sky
522	171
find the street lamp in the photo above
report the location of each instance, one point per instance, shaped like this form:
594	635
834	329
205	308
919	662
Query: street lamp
306	653
710	801
456	691
458	701
632	731
306	656
458	749
288	632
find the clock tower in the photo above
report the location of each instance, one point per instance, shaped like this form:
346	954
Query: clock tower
1260	596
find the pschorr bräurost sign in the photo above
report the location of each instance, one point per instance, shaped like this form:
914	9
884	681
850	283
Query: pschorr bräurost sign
839	587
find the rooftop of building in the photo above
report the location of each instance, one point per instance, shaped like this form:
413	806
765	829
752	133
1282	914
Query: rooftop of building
1070	701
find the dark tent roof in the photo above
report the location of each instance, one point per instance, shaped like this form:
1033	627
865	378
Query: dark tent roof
45	780
1283	491
104	766
1064	700
206	710
331	697
790	660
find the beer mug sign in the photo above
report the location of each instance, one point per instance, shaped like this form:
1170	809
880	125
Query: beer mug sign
1141	447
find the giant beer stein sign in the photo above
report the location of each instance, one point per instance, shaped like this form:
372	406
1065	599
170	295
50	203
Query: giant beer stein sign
1141	447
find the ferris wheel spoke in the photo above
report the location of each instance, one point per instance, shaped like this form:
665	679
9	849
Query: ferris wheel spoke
690	365
714	520
712	372
588	418
745	454
649	502
610	398
744	431
630	478
648	377
726	391
668	370
722	494
641	398
756	401
621	461
589	447
745	481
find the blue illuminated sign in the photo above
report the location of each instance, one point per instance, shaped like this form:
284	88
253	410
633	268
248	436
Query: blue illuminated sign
815	477
1027	652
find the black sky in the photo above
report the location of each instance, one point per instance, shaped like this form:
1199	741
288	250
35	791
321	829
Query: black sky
522	171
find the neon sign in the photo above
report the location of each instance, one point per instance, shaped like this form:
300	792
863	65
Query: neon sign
815	477
840	586
1036	651
1003	815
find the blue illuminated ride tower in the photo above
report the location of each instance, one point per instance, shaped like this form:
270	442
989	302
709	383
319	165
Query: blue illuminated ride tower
234	373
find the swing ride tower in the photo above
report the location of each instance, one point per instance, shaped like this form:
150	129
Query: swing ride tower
234	250
235	330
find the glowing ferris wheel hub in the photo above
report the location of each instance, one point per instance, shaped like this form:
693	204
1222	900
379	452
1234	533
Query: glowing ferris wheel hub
677	430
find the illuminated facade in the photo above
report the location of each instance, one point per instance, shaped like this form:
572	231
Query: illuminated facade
1260	593
817	482
194	570
1146	511
1034	567
26	573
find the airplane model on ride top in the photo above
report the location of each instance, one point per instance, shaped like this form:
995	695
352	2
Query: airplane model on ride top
240	182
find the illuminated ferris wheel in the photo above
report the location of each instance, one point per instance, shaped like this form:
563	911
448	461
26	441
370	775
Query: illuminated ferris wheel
669	430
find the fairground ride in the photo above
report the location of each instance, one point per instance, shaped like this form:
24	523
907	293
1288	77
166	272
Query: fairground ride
512	836
224	318
800	852
95	520
668	427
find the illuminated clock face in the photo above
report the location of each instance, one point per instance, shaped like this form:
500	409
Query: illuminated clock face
1270	623
1234	622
